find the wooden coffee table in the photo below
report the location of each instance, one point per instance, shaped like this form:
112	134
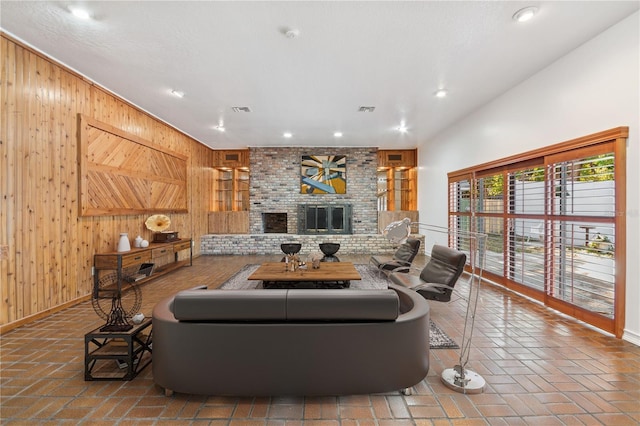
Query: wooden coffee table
329	275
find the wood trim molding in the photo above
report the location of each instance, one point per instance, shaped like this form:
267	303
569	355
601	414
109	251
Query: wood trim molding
620	147
5	328
595	138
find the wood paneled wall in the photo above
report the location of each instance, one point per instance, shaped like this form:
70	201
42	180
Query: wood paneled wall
49	247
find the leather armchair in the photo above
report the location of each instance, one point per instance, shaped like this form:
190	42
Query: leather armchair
439	276
401	260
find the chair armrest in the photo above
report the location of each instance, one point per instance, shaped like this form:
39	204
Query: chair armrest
393	265
407	279
408	269
436	285
396	270
393	261
403	269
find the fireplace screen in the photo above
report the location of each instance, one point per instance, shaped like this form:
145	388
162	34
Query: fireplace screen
324	219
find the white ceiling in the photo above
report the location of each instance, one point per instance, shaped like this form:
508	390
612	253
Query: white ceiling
392	55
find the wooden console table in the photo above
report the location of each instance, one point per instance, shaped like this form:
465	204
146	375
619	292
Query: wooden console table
125	263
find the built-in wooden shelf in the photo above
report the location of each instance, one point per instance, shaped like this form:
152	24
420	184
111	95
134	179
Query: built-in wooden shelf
397	180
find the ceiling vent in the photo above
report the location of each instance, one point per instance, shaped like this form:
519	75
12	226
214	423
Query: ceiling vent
366	109
241	109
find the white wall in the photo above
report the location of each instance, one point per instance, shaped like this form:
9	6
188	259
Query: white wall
593	88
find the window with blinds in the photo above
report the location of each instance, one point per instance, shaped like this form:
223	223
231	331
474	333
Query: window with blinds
526	221
552	227
489	205
580	235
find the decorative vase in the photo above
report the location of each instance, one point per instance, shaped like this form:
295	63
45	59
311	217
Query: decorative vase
144	244
138	241
329	250
123	243
138	318
292	262
290	248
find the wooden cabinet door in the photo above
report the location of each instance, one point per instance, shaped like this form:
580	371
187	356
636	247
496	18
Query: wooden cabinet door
231	158
397	158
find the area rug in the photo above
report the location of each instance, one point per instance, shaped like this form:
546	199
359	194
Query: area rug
371	279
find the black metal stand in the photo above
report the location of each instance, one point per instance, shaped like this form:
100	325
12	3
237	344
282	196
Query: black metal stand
126	352
117	318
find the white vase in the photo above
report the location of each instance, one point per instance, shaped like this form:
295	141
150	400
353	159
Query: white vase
138	318
123	243
138	241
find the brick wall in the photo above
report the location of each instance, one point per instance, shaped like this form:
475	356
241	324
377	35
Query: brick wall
275	186
243	244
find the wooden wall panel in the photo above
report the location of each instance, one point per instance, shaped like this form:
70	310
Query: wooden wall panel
49	246
122	173
229	222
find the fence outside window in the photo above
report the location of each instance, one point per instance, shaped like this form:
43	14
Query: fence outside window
554	224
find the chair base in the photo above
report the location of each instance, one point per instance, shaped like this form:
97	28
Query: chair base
434	294
472	382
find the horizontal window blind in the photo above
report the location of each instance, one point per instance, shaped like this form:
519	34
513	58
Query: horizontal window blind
551	221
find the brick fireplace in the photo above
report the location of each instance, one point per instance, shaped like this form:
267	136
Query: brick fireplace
275	191
275	186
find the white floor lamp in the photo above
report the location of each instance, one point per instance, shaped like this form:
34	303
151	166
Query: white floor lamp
457	378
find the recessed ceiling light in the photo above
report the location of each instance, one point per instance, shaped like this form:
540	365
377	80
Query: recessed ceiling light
220	128
287	134
80	13
441	93
525	14
292	33
402	128
177	93
337	135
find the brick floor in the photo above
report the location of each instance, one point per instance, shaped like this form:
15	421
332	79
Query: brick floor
541	368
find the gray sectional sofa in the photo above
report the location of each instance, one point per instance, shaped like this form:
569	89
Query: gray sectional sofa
290	342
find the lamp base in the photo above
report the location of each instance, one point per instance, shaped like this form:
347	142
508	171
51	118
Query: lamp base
471	382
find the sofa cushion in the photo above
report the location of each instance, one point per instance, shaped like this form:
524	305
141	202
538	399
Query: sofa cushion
230	305
342	305
286	305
